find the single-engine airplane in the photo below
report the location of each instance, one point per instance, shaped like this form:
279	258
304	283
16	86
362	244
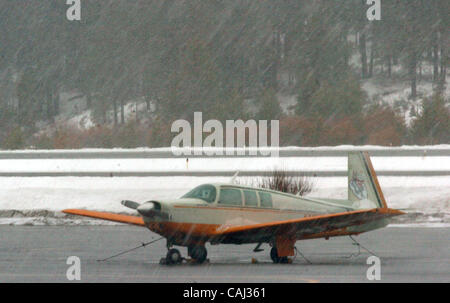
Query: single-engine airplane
235	214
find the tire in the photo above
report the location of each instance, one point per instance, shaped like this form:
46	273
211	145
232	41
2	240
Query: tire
198	253
274	255
284	260
173	256
276	258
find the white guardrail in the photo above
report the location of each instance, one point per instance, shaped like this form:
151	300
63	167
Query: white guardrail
317	161
166	152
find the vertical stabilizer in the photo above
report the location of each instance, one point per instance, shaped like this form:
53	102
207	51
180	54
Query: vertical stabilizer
363	187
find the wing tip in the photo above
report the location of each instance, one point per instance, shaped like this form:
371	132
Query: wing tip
70	211
127	219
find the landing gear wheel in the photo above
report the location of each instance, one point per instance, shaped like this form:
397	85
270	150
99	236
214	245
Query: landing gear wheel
277	259
173	256
198	253
274	255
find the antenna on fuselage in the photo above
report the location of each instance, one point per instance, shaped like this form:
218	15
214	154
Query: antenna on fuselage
233	179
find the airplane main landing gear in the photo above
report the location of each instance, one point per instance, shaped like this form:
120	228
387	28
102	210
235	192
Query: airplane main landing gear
275	258
198	253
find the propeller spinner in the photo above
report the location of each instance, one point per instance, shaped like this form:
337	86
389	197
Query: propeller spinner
147	209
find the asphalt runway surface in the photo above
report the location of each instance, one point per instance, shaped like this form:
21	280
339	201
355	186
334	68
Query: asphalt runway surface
39	254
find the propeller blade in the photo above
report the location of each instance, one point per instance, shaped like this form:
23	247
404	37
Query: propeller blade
130	204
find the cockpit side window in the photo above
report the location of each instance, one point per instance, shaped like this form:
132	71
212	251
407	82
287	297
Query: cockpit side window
205	192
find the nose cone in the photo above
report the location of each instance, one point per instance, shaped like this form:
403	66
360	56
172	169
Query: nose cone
146	209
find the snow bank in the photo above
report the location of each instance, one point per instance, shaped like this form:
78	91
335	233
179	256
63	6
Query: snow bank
287	148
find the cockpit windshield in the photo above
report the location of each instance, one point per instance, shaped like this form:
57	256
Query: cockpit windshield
205	192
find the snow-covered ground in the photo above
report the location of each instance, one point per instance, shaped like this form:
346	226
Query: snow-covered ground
39	200
423	148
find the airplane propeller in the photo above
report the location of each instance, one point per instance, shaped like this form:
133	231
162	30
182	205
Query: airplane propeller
147	209
130	204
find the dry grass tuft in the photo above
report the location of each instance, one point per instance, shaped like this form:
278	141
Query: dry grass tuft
282	180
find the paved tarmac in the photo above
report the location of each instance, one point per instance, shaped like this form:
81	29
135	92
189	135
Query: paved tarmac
39	254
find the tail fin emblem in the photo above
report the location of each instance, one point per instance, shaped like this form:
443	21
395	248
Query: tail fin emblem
357	186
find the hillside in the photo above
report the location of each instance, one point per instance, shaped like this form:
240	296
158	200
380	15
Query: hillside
131	68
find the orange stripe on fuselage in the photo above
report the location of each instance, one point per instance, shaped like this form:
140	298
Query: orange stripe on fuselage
195	229
185	234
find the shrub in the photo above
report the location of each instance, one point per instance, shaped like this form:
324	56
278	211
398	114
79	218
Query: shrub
14	139
98	137
301	131
65	138
270	108
281	180
160	133
346	130
432	125
129	135
42	141
314	131
337	100
383	126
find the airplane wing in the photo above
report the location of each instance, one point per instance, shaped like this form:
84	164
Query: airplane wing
307	227
106	216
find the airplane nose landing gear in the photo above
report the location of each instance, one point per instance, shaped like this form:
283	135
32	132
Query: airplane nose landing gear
197	252
173	256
